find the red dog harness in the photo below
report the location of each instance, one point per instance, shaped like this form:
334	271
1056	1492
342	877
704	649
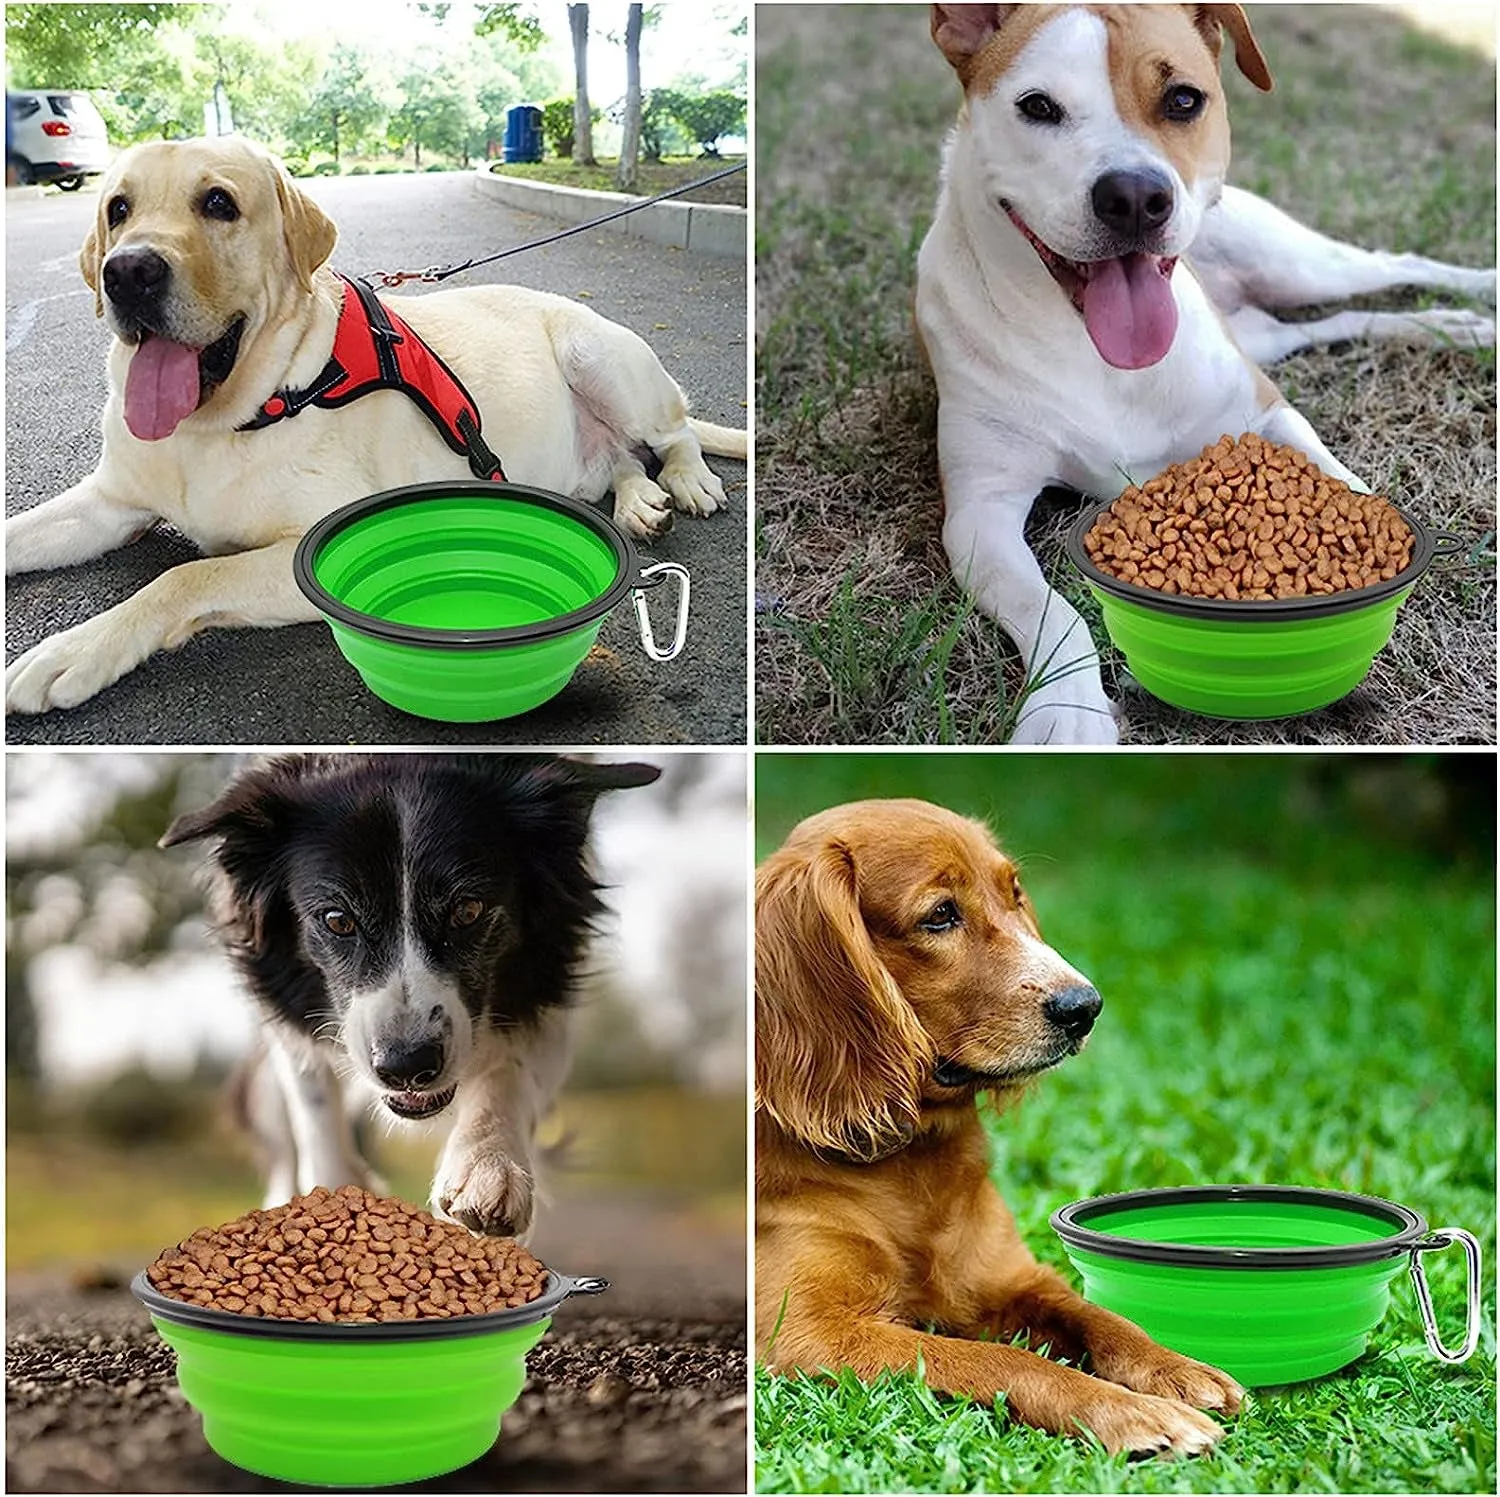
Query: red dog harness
374	349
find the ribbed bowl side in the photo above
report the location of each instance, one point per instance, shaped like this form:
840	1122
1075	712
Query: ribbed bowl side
1262	1326
1252	670
330	1414
466	685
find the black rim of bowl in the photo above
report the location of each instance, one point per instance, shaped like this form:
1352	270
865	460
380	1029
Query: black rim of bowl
179	1312
1280	610
1069	1222
462	639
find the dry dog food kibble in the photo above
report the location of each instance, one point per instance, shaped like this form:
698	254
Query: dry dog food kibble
347	1255
1249	521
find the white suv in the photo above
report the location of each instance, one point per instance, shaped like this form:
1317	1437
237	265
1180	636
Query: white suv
54	137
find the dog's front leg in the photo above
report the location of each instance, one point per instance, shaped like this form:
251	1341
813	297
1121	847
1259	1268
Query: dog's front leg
325	1150
1043	1305
486	1179
984	535
77	525
253	587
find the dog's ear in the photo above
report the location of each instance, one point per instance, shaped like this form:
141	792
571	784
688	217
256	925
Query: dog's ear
91	257
962	31
250	819
310	234
584	774
839	1054
1209	19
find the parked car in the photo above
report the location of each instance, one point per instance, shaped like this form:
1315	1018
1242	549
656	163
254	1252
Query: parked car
54	137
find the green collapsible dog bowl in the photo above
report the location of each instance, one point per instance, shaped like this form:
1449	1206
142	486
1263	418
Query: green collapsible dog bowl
1271	1283
467	602
1252	660
353	1405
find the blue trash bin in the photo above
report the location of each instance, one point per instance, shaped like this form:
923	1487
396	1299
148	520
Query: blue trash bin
523	133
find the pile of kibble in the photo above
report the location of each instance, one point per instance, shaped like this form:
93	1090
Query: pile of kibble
1248	521
347	1255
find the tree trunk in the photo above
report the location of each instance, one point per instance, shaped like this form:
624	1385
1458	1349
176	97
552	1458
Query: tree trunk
583	116
630	136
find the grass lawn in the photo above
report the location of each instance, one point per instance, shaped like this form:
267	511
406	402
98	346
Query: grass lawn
1297	961
1376	132
654	176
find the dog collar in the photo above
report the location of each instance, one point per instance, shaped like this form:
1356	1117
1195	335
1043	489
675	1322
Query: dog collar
375	349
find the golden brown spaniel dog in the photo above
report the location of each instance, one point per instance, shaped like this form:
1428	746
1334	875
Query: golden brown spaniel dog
899	973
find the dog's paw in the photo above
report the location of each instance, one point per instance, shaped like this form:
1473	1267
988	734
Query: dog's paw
486	1193
642	509
695	488
1167	1374
1128	1423
66	669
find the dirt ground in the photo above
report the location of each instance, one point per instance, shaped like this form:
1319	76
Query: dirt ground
642	1390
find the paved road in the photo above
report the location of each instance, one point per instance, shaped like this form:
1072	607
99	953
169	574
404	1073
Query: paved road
641	1390
290	686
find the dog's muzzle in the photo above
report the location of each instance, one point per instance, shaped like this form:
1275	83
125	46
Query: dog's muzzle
408	1072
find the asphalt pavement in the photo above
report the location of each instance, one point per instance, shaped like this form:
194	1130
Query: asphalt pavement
291	686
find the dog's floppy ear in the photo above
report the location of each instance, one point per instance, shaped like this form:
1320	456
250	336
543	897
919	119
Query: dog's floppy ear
962	31
310	234
251	819
1247	54
839	1054
91	257
584	774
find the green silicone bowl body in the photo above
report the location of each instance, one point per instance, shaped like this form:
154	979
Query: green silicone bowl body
352	1405
1250	661
465	602
1273	1284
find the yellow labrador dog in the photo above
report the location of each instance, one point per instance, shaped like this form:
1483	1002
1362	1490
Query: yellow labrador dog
209	266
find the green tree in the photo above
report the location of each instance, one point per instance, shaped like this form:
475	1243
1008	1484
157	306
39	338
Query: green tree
344	107
707	117
437	110
81	46
264	84
517	23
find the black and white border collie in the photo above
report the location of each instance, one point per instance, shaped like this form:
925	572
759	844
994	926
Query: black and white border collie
412	926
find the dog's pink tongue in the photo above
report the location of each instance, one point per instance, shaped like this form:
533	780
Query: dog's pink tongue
161	388
1129	311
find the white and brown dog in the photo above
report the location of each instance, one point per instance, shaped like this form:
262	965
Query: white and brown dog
1073	340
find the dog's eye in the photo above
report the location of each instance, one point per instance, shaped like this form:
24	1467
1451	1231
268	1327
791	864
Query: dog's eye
117	212
1040	109
218	204
944	917
466	912
1017	892
1183	102
340	922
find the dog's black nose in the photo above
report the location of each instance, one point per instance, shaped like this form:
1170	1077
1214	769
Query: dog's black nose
136	278
1073	1010
409	1069
1132	203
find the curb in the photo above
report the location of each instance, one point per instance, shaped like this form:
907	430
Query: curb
703	228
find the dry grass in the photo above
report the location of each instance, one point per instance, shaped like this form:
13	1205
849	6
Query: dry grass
1376	132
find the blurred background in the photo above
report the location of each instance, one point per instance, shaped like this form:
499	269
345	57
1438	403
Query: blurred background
123	1021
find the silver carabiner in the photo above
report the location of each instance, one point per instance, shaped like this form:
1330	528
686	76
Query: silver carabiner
643	617
1441	1237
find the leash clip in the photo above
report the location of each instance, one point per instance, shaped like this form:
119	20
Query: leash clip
393	278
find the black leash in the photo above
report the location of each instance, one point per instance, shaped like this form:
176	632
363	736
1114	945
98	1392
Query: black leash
436	273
